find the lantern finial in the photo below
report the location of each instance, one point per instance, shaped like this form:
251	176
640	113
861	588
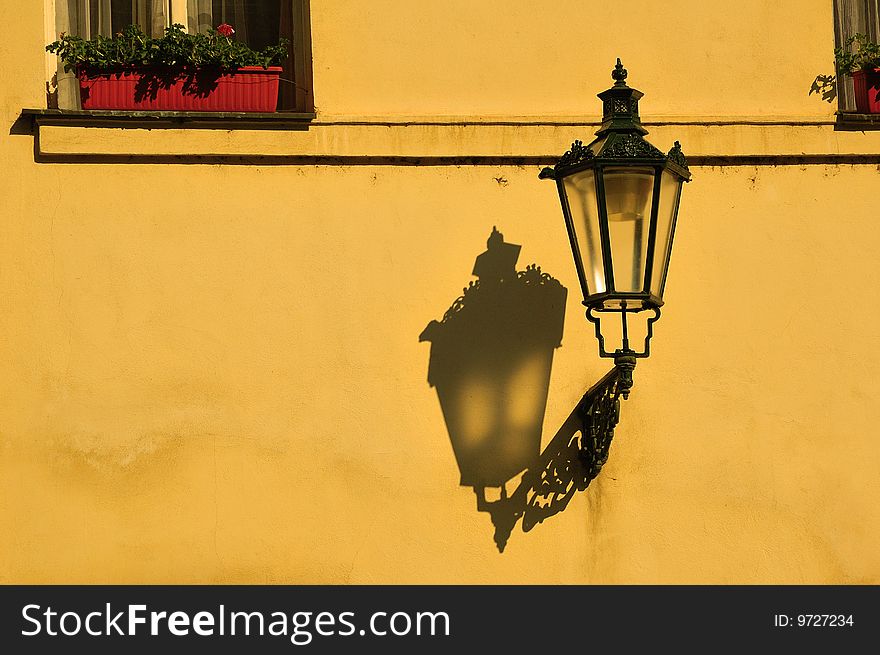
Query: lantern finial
619	74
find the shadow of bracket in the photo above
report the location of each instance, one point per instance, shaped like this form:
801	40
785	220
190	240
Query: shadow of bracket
567	465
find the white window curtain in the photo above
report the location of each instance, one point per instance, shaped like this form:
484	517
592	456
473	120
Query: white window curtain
62	90
89	18
150	12
204	14
201	15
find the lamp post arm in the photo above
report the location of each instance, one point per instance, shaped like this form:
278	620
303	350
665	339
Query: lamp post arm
593	317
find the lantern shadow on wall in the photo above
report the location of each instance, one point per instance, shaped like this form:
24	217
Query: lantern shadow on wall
491	357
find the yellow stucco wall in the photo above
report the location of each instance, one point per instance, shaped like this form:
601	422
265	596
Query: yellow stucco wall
503	57
212	373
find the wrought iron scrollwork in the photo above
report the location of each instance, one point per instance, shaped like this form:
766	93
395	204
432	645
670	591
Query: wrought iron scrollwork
677	156
621	105
629	146
600	414
575	155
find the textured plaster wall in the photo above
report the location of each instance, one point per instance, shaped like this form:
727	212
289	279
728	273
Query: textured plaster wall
212	373
519	57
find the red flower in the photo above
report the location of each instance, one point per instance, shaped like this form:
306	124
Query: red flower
225	30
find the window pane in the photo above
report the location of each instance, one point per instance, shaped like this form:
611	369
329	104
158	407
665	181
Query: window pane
256	22
124	14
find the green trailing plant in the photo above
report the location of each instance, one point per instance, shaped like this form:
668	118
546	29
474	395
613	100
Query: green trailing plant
131	48
857	53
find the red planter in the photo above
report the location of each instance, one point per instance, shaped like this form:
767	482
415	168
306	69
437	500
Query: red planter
866	84
248	89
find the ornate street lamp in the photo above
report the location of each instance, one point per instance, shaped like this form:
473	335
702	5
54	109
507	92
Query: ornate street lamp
620	198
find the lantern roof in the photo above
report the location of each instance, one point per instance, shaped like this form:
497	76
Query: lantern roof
499	260
620	138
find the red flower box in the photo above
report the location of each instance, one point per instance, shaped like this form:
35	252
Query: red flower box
866	84
247	89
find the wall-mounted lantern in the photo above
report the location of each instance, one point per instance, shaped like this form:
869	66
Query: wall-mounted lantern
620	198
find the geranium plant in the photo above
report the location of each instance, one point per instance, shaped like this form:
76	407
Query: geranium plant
858	53
131	48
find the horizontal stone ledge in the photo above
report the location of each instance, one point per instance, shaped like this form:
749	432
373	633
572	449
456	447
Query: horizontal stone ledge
98	117
537	162
171	119
539	143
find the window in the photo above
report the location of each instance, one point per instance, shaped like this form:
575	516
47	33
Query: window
853	17
257	22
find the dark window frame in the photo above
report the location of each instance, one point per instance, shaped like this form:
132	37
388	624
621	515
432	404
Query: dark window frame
851	17
296	95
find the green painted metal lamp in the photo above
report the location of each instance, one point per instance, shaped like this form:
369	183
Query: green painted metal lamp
620	198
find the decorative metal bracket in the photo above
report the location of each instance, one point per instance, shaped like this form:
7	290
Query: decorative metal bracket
572	459
626	349
600	412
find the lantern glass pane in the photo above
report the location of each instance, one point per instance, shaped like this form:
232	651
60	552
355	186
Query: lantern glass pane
670	193
597	145
628	199
580	189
